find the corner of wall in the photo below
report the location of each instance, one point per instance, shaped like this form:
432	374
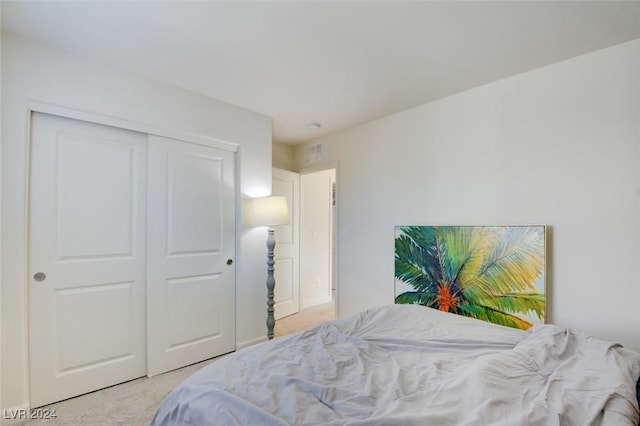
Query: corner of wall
283	156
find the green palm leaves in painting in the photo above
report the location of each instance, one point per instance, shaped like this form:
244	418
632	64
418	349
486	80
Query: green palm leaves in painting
488	273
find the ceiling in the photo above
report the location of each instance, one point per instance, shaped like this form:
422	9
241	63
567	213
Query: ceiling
339	63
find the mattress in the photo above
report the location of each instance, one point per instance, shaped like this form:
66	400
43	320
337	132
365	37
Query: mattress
411	365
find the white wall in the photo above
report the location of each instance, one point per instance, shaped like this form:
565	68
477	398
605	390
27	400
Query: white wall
34	72
558	146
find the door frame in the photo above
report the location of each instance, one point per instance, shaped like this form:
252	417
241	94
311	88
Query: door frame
335	165
34	106
91	117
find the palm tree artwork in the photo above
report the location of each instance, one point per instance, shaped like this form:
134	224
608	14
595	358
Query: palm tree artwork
491	273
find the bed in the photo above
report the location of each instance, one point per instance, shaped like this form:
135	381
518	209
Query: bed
411	365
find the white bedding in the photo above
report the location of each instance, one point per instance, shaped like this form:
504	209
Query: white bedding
411	365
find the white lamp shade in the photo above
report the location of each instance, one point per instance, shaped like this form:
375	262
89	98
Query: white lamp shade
269	211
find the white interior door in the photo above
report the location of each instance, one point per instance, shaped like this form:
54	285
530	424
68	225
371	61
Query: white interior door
287	250
316	235
87	254
191	247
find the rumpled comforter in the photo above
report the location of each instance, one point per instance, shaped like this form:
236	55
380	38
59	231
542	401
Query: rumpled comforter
411	365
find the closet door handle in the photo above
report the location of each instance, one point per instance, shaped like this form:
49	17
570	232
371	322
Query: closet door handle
229	261
39	276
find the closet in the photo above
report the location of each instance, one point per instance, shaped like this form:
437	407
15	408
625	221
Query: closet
131	249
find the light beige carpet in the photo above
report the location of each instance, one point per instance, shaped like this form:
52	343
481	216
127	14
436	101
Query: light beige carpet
134	403
304	319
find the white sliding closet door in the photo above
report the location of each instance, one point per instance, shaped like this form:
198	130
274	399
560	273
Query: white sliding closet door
87	257
191	248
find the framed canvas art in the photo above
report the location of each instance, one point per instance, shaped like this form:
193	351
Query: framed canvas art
492	273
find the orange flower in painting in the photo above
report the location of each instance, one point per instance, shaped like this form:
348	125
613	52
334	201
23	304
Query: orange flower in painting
446	301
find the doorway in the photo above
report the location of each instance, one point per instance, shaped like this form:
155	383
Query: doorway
314	214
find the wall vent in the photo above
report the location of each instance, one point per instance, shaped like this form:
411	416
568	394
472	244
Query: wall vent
313	153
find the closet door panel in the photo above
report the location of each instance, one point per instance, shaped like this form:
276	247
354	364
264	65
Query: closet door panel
86	257
190	238
194	195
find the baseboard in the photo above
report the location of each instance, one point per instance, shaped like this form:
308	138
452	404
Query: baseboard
251	342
